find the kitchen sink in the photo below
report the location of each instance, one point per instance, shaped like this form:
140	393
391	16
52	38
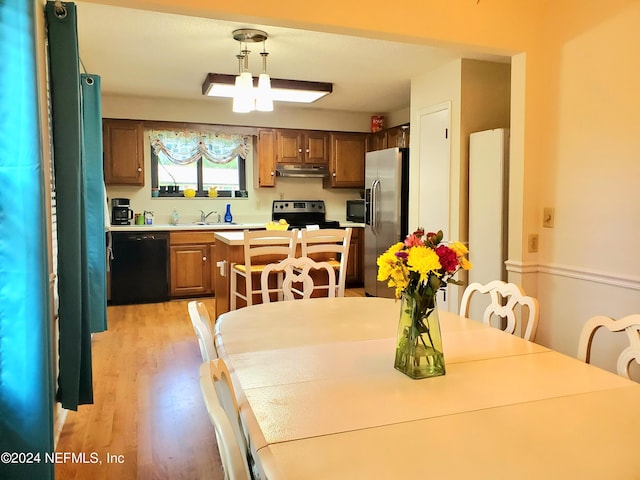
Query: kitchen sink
214	223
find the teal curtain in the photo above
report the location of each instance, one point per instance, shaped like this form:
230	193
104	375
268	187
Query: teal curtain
80	214
26	373
94	204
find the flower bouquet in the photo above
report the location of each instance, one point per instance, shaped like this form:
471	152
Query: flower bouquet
418	268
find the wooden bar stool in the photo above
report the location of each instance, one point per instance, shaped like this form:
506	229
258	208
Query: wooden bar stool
274	245
329	245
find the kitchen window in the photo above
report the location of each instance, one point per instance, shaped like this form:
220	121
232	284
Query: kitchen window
198	160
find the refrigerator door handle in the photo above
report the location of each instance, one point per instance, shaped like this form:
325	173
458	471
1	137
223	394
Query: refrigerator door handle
375	208
367	206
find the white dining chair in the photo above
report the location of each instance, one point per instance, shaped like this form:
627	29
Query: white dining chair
330	245
297	281
629	324
230	446
202	326
505	298
273	244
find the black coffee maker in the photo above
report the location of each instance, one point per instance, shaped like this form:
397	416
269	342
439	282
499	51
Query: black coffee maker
121	214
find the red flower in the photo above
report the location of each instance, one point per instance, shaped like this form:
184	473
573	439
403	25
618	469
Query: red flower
402	256
448	258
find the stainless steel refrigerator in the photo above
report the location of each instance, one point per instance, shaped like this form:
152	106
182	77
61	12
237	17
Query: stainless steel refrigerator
386	210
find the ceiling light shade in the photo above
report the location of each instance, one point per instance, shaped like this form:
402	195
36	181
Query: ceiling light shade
264	96
243	94
222	85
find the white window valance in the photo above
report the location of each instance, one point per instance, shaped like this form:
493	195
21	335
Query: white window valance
184	147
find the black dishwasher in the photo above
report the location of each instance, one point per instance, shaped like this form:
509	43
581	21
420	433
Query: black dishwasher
139	267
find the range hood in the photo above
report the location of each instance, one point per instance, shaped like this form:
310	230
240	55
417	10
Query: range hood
302	171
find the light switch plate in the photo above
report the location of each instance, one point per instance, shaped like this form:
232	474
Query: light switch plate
547	217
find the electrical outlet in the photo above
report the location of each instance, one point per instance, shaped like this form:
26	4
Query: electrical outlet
533	243
547	217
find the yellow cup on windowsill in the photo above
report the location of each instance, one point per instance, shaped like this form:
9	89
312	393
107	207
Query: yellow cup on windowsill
189	192
213	192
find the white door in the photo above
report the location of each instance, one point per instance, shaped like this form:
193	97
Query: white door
435	167
435	161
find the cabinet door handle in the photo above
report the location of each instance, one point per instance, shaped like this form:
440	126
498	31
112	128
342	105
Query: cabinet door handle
272	174
139	169
307	150
299	150
204	259
334	174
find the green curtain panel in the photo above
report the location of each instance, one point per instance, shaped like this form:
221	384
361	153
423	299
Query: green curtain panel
75	243
26	373
94	204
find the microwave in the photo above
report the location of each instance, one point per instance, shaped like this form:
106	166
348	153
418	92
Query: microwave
355	211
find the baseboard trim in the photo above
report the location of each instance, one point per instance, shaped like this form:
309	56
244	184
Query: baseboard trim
607	278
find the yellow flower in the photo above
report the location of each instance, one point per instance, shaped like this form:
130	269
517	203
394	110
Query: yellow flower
459	248
388	262
423	260
465	264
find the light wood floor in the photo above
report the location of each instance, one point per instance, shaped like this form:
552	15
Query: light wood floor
147	409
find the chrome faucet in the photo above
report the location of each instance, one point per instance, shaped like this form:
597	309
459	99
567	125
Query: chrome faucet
203	216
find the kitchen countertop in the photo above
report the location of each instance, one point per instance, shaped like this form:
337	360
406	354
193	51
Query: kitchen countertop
193	226
183	226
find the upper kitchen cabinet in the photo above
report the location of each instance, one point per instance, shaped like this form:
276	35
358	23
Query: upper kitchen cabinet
389	138
346	162
300	146
377	141
395	137
266	158
123	152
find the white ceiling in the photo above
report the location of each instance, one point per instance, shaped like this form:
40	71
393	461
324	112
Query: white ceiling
144	53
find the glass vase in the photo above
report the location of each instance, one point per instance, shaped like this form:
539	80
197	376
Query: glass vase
419	345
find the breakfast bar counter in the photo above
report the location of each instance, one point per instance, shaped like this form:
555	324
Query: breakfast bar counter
230	249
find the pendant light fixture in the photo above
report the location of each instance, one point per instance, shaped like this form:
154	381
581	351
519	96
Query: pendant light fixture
245	97
243	100
264	97
251	94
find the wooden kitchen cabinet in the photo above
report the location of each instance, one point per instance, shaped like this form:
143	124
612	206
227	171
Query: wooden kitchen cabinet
377	141
389	138
302	146
346	161
394	137
191	263
123	145
266	158
355	267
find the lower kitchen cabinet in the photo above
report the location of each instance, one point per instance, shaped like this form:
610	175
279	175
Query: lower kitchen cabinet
191	263
355	267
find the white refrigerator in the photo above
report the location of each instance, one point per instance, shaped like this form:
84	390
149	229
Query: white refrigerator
488	201
386	211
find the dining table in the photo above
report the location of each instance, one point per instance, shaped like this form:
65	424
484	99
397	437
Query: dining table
319	398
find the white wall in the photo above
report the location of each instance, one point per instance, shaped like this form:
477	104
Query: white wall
589	259
478	93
